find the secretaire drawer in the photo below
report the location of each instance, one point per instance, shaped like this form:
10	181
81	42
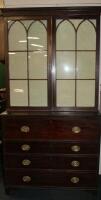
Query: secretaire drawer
47	161
50	178
50	147
66	128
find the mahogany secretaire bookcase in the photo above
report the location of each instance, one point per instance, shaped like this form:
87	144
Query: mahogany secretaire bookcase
51	129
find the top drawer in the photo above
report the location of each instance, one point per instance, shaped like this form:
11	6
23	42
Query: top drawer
40	128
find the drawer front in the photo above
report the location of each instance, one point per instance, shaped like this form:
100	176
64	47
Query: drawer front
50	178
51	162
71	129
50	147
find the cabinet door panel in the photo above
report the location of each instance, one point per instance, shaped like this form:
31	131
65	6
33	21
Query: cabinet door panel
86	65
86	36
65	35
38	92
37	35
65	93
65	65
85	93
75	63
17	37
18	93
18	65
38	65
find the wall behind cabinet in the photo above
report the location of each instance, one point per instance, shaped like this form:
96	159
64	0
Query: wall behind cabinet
31	3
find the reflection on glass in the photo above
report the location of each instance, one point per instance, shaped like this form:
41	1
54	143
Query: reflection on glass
65	93
9	23
18	93
17	33
65	36
18	65
33	38
37	30
65	65
86	65
38	92
38	65
86	93
86	37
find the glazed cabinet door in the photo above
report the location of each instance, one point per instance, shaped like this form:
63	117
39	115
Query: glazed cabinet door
28	62
75	62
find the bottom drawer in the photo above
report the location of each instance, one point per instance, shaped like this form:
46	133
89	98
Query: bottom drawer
50	178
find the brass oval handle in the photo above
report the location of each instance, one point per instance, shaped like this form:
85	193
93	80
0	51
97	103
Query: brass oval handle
26	162
75	179
75	163
76	129
26	179
25	147
25	129
75	148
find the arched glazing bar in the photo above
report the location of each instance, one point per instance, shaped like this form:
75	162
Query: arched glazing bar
65	35
17	41
85	29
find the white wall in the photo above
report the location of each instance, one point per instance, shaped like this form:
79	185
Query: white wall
31	3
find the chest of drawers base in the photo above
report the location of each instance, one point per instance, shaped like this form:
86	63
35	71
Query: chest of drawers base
51	152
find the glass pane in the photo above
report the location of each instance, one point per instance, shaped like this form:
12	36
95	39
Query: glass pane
37	36
65	36
18	93
38	65
65	65
38	92
86	37
93	21
86	65
65	93
17	65
17	37
86	93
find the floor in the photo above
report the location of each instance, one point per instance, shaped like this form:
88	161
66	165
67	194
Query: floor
47	194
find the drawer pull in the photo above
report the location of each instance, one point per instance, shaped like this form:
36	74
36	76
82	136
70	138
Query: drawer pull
26	162
25	147
76	129
25	129
75	163
75	180
75	148
26	179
